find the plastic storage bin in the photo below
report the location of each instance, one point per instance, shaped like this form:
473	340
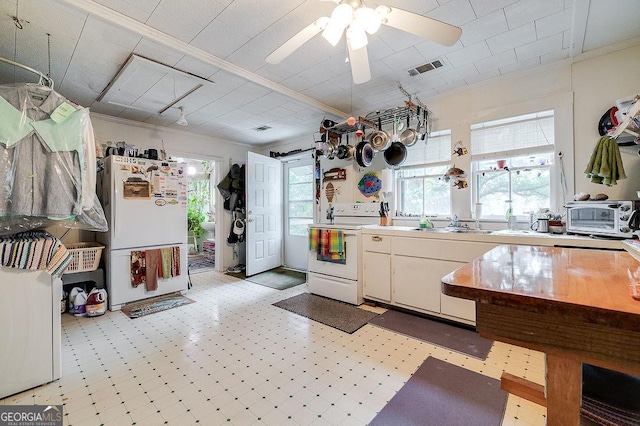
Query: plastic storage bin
86	257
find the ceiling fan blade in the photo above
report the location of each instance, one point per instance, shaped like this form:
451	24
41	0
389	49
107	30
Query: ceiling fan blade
422	26
296	41
359	60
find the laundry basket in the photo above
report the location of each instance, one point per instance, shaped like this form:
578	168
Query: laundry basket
86	257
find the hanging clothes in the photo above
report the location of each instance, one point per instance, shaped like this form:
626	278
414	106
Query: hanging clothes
47	161
36	250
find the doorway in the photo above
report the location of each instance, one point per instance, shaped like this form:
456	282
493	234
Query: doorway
201	212
298	210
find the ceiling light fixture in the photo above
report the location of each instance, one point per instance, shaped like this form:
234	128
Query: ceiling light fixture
182	121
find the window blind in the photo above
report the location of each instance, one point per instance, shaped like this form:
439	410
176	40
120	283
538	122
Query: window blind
436	149
526	133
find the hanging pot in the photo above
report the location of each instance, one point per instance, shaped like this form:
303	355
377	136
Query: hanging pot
364	154
396	154
342	152
379	140
409	136
328	151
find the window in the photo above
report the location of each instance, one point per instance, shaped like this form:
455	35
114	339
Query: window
511	163
301	202
421	190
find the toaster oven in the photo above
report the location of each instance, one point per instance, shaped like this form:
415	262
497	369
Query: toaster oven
608	218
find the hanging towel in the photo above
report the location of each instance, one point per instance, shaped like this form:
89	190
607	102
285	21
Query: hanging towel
138	268
336	244
165	254
314	239
152	258
175	258
605	164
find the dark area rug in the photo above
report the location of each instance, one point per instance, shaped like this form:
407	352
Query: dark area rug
198	263
440	393
449	336
155	304
279	278
340	315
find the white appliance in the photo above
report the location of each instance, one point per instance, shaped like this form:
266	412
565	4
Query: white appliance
145	202
336	280
31	334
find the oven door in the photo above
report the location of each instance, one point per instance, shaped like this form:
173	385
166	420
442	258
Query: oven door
593	219
347	270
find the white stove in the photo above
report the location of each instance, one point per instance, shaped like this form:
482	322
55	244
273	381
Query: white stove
343	281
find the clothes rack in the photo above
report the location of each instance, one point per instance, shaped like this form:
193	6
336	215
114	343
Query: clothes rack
44	80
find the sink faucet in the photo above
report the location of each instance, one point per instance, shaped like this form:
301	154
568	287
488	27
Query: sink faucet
455	223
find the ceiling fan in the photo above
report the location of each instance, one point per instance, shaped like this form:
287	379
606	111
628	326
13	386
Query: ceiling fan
358	20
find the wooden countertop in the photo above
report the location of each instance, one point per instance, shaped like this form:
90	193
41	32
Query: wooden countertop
580	284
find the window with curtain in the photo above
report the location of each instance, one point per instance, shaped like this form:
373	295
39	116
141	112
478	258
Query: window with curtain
301	199
421	190
511	164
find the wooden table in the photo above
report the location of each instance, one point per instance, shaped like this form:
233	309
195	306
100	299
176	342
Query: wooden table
572	304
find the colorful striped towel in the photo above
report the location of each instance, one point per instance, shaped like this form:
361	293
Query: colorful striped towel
314	239
335	240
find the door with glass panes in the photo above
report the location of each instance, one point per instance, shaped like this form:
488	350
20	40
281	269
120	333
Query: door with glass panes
298	211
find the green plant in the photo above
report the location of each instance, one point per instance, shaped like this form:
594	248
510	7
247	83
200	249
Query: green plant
197	206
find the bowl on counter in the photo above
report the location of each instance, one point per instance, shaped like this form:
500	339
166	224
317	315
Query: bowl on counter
556	229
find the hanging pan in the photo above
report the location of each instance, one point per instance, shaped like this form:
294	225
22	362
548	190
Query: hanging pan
396	154
409	136
364	154
380	140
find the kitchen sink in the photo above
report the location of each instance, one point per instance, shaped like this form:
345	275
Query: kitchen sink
455	231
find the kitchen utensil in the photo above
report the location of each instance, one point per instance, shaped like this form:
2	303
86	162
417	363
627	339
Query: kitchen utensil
541	225
379	139
409	136
396	154
364	154
328	151
342	152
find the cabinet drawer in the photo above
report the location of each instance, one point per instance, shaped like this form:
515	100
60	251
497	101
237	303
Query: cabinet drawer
377	243
460	251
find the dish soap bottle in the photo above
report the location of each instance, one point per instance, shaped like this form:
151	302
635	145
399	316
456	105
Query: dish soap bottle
512	221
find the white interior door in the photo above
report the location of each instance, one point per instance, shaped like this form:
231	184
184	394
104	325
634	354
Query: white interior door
264	213
299	189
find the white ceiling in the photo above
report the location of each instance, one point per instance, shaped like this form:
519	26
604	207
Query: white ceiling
226	41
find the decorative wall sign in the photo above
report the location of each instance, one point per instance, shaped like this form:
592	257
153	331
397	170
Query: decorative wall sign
334	174
370	185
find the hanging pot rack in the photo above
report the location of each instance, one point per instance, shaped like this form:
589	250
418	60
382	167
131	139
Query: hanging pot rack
44	79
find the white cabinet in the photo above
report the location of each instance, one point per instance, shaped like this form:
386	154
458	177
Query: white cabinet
407	272
416	282
376	267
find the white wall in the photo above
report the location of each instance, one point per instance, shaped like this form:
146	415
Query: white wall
179	144
579	89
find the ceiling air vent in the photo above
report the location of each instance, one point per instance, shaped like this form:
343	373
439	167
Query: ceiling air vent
425	67
261	128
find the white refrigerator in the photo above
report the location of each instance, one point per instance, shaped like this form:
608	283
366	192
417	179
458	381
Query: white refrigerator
145	202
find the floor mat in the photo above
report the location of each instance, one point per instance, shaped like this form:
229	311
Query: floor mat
340	315
449	336
440	393
279	278
155	304
200	263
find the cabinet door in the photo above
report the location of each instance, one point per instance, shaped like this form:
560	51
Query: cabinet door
377	276
416	282
454	306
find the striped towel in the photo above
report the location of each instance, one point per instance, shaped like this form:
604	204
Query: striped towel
335	239
314	239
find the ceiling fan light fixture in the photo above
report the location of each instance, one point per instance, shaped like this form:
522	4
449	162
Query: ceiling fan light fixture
342	15
357	37
333	33
182	121
368	19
